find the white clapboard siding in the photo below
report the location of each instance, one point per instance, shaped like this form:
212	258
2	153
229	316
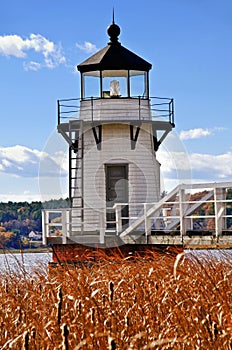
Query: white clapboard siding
143	169
110	109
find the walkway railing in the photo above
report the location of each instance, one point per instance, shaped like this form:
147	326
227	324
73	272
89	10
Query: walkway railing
56	223
209	208
161	108
188	210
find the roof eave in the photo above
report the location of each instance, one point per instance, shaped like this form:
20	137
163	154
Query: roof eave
114	57
99	67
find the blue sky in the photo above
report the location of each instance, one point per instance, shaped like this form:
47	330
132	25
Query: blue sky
189	45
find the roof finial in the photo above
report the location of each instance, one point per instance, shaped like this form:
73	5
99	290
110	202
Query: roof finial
113	16
113	30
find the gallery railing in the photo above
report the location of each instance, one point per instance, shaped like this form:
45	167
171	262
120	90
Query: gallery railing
160	108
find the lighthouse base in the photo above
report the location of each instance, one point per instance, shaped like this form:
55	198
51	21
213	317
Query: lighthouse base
77	253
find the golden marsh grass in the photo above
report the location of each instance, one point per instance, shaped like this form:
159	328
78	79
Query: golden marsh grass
158	303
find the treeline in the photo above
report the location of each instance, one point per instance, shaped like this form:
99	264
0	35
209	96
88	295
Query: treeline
18	219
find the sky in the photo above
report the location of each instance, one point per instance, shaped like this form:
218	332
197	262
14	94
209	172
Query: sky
189	45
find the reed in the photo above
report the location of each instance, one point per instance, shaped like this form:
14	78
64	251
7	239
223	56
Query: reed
155	303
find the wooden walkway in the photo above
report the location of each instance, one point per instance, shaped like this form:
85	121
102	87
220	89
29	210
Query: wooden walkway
194	215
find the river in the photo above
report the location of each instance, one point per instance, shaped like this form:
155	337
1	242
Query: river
23	262
29	262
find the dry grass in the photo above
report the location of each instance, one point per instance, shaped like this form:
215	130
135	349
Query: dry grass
144	304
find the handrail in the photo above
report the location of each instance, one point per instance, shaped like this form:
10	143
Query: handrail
185	209
178	212
160	107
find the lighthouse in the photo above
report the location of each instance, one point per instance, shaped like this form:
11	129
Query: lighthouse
113	130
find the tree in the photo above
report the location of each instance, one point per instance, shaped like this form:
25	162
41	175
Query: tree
7	238
19	218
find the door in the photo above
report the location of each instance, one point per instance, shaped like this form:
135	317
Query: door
116	192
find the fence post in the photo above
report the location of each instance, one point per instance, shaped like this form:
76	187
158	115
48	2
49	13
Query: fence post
147	222
68	221
64	226
182	211
118	216
45	226
219	208
102	226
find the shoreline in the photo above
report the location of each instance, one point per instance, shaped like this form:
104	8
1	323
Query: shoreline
26	250
49	250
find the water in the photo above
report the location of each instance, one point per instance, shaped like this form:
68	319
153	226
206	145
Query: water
26	262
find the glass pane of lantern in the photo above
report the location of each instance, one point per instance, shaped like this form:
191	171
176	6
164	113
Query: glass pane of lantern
137	84
92	85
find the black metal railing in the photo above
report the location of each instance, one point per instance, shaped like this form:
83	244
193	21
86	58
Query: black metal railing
161	108
68	109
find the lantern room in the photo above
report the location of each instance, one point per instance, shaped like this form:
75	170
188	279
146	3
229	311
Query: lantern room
114	71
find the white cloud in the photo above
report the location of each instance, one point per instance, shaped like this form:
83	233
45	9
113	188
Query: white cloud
29	197
177	161
14	45
32	66
194	133
22	161
209	167
87	47
217	166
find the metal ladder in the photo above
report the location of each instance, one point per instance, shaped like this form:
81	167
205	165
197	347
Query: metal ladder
76	174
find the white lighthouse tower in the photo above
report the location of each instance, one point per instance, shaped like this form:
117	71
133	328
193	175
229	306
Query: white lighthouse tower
114	131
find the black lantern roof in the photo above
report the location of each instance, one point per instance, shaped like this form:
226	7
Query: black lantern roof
114	56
